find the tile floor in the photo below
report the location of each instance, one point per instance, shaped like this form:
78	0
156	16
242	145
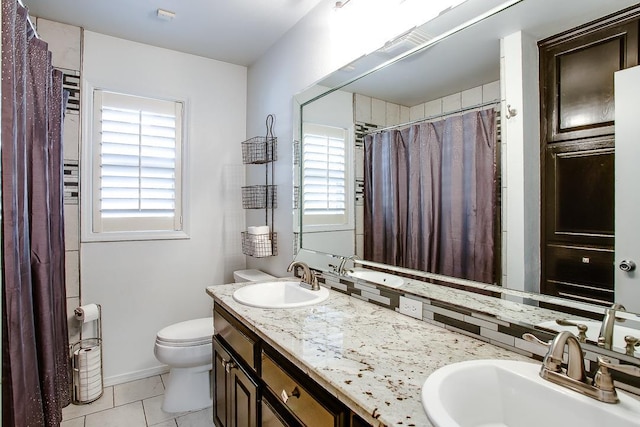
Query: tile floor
133	404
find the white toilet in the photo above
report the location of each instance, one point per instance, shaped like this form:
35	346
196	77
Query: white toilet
186	348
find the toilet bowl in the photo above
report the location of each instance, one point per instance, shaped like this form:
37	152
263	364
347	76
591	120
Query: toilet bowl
186	348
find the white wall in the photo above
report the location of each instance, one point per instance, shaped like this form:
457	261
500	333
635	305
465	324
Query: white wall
144	286
321	42
520	163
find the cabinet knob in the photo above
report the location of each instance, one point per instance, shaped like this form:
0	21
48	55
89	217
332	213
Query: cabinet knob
285	396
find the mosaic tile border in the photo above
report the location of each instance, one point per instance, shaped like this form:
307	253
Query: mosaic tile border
482	326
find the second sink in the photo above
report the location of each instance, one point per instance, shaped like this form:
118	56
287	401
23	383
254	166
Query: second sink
509	393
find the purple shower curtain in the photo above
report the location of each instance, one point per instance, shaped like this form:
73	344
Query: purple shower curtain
35	364
430	200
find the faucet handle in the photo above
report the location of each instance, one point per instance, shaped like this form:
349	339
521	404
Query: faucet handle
582	328
532	338
603	380
606	363
632	343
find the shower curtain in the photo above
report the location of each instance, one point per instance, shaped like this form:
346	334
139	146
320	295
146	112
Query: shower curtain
430	197
35	363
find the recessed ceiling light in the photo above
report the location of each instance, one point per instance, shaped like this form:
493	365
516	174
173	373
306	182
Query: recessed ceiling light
166	15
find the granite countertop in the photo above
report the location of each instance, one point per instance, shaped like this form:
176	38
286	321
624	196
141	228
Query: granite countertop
372	359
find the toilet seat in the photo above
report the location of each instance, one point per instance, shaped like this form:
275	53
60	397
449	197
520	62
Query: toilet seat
187	334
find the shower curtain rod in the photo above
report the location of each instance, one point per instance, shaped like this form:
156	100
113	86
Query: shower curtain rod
495	103
33	27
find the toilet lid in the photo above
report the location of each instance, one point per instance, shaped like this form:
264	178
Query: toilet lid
194	332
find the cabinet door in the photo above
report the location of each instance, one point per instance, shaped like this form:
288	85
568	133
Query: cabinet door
221	398
243	392
235	394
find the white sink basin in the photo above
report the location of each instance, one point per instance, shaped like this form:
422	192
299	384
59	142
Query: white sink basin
593	331
378	277
284	294
507	393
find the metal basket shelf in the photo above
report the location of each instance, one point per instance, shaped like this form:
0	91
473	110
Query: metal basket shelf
259	149
259	245
260	197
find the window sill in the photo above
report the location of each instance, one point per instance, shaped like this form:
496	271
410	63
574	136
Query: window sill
134	236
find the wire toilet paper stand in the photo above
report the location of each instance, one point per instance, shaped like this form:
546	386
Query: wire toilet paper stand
86	362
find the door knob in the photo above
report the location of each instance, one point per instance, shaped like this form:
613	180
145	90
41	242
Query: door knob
627	266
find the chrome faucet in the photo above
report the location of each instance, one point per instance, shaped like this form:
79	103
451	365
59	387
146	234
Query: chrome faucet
552	362
341	270
308	276
574	377
605	338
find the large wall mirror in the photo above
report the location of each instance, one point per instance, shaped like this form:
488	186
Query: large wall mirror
473	70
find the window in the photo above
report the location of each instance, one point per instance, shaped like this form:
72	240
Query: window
326	190
136	155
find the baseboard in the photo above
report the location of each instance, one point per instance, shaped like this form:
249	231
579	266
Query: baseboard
137	375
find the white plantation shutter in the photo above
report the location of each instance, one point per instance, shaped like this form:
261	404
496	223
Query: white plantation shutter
324	179
137	155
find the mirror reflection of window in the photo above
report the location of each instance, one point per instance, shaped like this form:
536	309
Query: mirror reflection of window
324	175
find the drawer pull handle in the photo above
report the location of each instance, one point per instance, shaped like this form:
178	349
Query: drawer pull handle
285	396
229	365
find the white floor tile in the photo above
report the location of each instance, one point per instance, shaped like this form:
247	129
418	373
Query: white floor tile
170	423
203	418
131	415
137	390
75	411
76	422
165	379
154	413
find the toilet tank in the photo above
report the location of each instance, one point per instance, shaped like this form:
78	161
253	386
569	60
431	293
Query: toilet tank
251	276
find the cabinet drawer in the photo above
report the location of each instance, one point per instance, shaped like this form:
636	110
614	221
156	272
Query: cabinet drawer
296	398
238	340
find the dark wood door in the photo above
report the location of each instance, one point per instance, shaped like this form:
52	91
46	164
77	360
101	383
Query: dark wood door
235	393
578	151
221	396
244	400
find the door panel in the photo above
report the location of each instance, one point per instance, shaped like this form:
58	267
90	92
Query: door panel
627	179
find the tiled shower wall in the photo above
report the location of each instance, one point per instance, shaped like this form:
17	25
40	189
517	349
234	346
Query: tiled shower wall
65	43
371	113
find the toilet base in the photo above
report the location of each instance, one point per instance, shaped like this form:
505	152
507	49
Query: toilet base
188	389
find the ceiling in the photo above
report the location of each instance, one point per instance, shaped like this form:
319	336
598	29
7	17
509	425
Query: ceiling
468	58
234	31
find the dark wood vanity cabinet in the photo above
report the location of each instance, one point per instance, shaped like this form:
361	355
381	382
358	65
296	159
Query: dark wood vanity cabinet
254	385
577	154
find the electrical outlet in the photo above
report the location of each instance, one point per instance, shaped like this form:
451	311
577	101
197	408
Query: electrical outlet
411	307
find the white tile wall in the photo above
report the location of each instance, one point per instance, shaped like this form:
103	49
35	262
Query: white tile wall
393	114
378	112
451	103
71	137
471	97
363	108
416	112
433	108
64	43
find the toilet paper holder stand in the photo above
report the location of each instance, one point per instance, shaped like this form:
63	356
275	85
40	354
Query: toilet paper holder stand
87	381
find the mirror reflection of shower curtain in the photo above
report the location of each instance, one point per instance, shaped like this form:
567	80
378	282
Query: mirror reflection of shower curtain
430	196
